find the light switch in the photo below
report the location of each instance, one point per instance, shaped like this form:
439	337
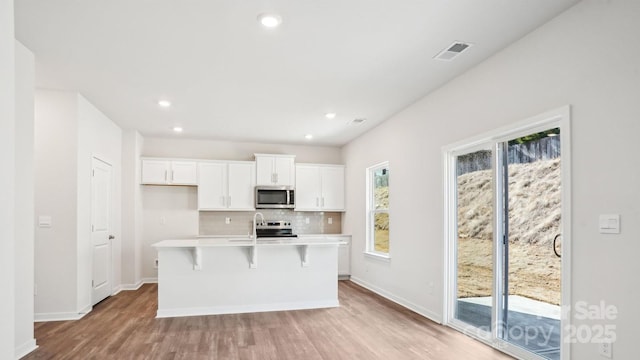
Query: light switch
227	220
44	221
609	224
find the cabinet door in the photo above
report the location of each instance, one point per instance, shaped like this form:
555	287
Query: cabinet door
264	170
285	171
212	186
307	188
241	186
344	259
155	171
184	173
332	188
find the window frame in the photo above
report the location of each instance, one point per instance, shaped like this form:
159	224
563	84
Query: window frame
371	212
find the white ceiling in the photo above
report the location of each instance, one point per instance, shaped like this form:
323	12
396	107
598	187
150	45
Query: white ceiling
230	78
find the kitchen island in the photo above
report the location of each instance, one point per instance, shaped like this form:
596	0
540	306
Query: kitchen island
227	275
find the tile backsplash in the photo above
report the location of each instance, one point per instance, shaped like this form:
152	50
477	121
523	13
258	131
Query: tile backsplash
213	222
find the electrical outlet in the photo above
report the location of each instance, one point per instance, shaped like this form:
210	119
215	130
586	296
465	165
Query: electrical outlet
227	220
330	221
605	349
155	264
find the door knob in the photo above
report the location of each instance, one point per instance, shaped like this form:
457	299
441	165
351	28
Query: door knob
111	237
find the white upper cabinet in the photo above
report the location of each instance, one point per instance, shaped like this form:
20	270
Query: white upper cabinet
319	187
184	173
169	172
242	183
212	184
276	170
332	187
226	185
308	187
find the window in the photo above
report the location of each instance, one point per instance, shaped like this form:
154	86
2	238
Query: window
378	210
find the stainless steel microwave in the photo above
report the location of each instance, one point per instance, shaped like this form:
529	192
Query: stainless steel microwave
275	197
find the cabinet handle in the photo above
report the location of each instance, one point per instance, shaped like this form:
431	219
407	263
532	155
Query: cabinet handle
317	202
224	201
229	201
165	176
171	175
323	201
276	174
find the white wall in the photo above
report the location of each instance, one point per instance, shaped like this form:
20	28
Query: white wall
132	143
98	137
24	205
172	211
169	212
587	57
7	139
56	133
226	150
69	131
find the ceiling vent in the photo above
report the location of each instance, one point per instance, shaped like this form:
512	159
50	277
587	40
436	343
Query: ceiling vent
357	121
452	51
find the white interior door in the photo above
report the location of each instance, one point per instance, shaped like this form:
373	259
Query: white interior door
100	224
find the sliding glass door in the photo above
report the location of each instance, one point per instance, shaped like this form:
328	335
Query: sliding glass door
504	233
530	178
474	238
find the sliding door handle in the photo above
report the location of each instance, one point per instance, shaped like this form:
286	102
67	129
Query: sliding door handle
555	250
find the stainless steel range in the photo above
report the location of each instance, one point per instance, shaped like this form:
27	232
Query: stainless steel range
274	228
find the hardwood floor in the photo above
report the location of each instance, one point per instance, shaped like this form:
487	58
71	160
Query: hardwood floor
365	326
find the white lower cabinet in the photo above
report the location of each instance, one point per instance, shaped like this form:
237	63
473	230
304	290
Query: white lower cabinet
226	185
344	259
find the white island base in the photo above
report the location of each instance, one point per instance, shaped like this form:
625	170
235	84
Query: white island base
229	276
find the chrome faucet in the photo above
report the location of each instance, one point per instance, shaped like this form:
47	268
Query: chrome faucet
255	225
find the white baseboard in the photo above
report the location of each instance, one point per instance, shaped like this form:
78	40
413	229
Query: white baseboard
399	300
25	348
127	287
42	317
219	310
133	287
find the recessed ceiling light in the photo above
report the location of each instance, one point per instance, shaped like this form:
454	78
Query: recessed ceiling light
177	129
308	136
330	115
164	103
269	20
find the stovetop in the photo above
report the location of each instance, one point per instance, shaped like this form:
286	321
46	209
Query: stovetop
274	228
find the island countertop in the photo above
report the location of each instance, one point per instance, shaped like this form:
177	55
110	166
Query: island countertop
245	241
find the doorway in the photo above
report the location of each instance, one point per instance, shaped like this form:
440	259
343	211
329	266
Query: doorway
507	205
100	230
